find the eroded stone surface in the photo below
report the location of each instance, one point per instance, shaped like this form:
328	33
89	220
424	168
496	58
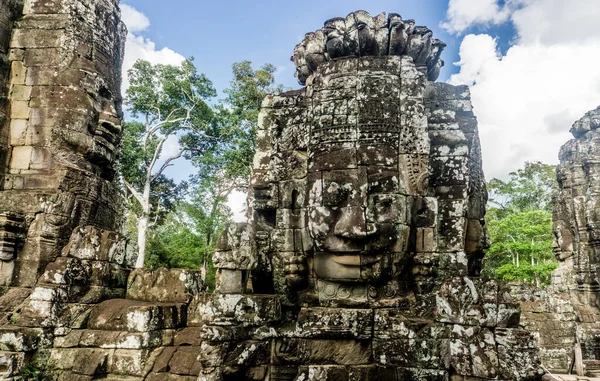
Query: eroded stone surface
360	257
366	223
361	35
568	311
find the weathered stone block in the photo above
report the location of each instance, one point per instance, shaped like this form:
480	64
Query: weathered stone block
232	309
130	362
18	129
311	351
136	316
473	352
231	281
18	73
11	364
164	285
21	157
334	323
14	339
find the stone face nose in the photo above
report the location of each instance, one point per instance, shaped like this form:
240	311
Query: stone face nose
352	224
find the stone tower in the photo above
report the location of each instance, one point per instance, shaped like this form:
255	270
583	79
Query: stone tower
60	136
60	65
568	311
366	226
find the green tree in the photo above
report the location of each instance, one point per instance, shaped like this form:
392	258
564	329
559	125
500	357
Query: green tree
520	225
178	243
227	167
529	188
165	101
238	116
188	236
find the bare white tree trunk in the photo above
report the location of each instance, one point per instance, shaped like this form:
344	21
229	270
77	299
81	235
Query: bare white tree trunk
143	198
144	223
142	233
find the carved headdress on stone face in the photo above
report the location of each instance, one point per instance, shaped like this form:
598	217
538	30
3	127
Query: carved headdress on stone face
361	35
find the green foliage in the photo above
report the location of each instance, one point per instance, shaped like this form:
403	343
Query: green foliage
219	141
167	101
167	92
520	225
38	369
238	117
529	188
526	272
184	240
14	318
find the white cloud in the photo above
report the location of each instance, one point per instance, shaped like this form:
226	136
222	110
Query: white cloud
475	52
464	13
138	47
558	21
135	20
527	100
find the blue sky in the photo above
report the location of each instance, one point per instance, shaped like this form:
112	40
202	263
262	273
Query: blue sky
532	65
219	33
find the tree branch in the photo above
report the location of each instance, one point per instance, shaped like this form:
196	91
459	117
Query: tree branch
167	164
149	177
133	191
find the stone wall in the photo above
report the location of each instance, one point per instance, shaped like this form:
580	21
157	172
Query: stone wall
9	10
568	311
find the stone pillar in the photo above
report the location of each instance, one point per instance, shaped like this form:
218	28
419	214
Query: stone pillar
63	127
9	11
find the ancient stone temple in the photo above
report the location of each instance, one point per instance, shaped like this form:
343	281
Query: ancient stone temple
365	233
366	229
568	311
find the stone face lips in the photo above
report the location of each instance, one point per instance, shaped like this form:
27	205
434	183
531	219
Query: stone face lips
361	35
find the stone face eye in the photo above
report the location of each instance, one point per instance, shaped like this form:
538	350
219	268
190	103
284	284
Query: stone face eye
105	93
335	194
361	26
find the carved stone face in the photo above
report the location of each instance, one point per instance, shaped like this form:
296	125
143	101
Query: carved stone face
357	216
335	30
359	233
90	126
104	126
